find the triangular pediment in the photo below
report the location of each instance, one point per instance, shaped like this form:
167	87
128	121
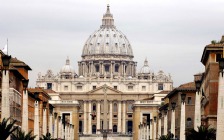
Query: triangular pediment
103	89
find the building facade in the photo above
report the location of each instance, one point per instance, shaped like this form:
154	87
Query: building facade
210	80
106	72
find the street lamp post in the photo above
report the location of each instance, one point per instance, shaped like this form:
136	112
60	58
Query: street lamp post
220	109
182	119
5	107
197	114
173	105
25	106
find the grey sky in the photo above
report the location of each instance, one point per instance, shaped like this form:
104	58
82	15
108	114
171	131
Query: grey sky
170	33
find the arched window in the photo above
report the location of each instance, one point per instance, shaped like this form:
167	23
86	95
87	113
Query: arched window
189	122
116	68
94	107
115	107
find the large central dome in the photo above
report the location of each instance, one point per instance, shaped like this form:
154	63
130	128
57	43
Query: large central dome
107	40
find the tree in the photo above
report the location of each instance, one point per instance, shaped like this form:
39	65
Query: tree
169	136
20	135
203	133
164	137
46	137
7	128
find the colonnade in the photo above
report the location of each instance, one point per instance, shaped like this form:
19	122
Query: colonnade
88	121
123	68
57	127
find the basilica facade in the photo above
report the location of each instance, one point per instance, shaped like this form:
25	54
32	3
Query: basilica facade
107	83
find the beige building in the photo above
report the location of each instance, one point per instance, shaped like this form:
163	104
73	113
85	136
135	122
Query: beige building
107	75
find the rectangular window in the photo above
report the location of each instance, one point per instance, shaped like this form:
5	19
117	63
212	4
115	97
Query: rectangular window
130	88
115	116
160	86
129	116
107	68
79	87
143	88
65	88
97	68
49	85
218	56
115	87
189	101
94	87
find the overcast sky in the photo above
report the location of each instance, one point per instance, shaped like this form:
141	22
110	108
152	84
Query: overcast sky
170	33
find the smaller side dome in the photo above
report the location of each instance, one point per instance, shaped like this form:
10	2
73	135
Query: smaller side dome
67	68
145	68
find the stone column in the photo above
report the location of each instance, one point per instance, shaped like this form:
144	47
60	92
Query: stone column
182	119
147	132
59	127
5	106
111	68
69	131
165	122
135	69
66	131
62	130
98	118
50	123
75	121
151	128
36	120
173	120
122	68
85	118
119	117
80	71
90	118
111	116
139	132
154	129
44	121
25	111
124	117
72	132
220	109
159	125
197	114
143	131
55	125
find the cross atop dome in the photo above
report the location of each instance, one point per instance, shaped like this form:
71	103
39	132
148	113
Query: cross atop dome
107	21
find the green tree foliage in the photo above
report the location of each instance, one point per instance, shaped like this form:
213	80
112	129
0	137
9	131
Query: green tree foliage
203	133
7	128
46	137
20	135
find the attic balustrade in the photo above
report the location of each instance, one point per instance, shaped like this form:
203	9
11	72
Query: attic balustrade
148	102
